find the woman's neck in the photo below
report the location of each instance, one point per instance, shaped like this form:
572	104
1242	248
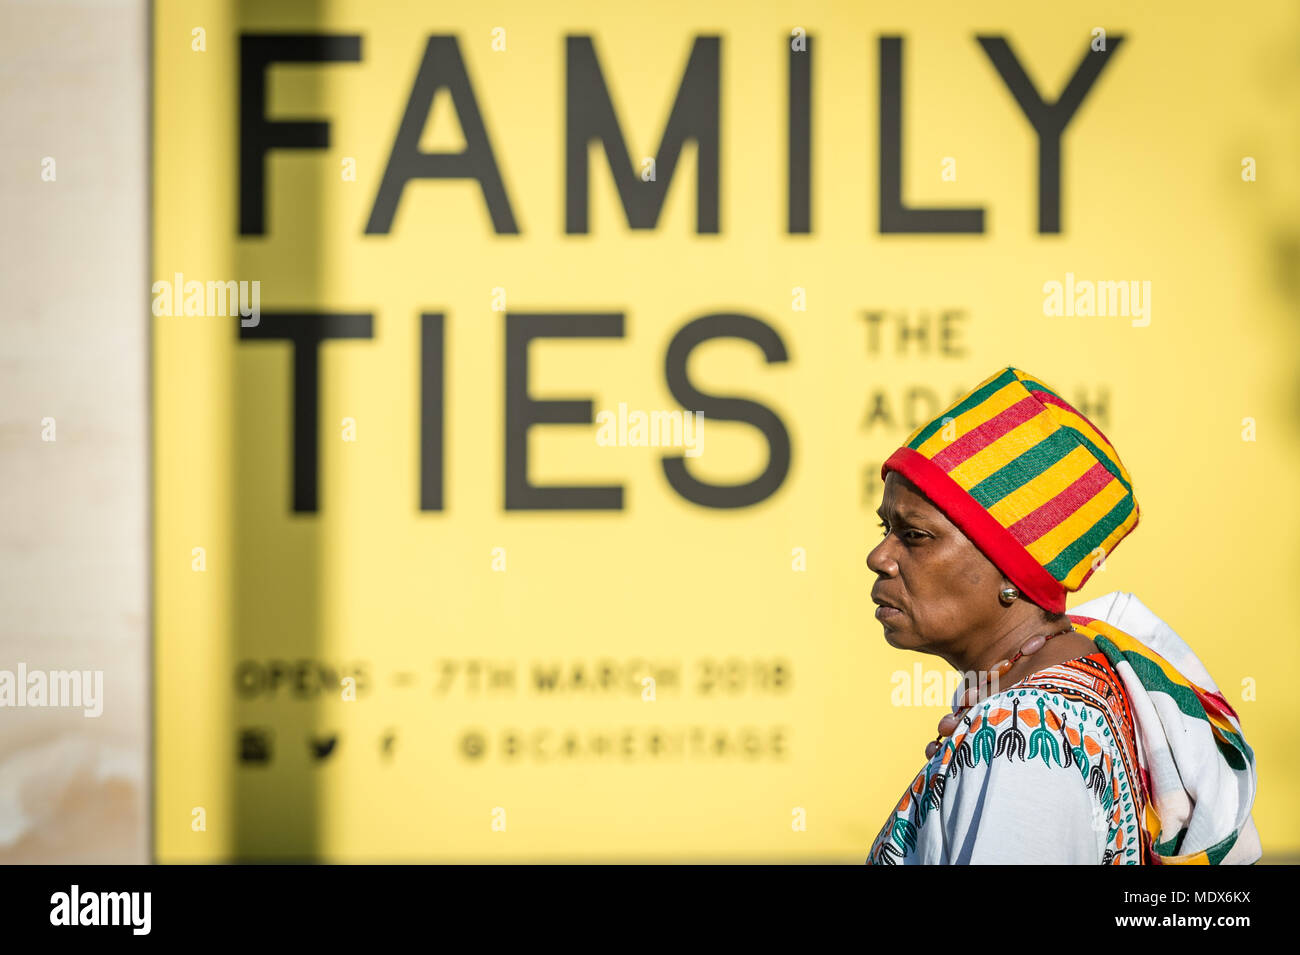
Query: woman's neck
1060	646
1067	646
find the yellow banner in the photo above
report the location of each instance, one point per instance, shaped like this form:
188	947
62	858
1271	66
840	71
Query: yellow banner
522	377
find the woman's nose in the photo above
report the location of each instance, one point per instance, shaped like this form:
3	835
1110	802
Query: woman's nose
879	560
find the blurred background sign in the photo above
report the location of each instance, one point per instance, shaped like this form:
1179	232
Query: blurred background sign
522	379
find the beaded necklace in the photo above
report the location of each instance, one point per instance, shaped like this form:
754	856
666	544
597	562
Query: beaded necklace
972	696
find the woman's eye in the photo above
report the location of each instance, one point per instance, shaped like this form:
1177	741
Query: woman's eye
903	535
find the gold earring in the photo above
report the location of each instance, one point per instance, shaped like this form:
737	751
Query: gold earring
1008	594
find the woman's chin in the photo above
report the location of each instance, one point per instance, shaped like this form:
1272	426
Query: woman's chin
892	635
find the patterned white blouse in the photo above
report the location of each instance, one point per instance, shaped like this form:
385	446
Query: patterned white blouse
1043	772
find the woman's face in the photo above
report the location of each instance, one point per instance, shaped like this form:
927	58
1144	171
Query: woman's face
945	590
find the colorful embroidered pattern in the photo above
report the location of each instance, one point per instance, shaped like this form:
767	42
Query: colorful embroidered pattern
1072	718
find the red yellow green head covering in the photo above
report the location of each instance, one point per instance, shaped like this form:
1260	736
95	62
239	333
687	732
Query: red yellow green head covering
1031	481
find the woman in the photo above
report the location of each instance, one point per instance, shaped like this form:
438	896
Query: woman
1077	740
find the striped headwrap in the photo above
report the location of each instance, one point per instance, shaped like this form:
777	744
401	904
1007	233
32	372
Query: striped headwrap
1028	479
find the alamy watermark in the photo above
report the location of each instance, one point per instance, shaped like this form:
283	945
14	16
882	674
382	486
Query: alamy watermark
74	907
211	299
57	688
1085	297
931	687
655	429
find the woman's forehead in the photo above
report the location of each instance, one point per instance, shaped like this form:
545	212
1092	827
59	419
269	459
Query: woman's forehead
904	500
901	492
